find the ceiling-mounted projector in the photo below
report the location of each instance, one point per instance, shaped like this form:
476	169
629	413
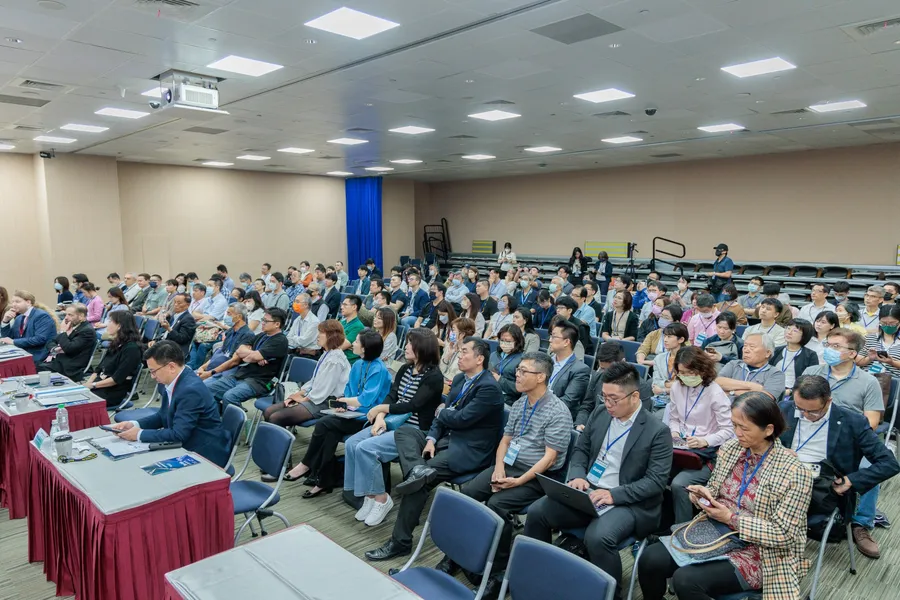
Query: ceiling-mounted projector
188	90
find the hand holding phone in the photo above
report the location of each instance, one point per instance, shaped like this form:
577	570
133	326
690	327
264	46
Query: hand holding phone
110	429
337	404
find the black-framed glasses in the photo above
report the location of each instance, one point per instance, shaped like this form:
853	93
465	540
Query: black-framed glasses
265	320
814	415
521	371
610	401
154	371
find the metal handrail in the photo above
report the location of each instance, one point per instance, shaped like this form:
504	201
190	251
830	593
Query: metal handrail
658	251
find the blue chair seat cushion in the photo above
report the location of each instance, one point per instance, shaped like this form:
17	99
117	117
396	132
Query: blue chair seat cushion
264	402
429	583
310	423
249	495
461	479
134	415
128	405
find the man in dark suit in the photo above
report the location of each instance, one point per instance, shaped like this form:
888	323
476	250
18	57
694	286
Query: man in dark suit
462	439
622	459
331	296
74	346
27	327
188	413
820	431
570	376
374	271
610	352
180	326
566	307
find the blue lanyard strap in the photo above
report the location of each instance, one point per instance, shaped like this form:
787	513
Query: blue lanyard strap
524	422
753	374
465	389
261	342
804	442
610	444
837	386
868	323
784	363
319	364
745	483
362	384
688	411
503	363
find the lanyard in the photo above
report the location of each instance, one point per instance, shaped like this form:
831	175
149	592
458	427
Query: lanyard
362	385
465	389
524	422
561	369
881	344
618	324
505	362
745	483
319	364
544	316
784	367
612	443
868	323
262	341
412	379
688	411
753	374
837	386
804	442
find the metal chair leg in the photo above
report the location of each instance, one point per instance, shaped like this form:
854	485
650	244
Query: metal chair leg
851	548
634	570
821	557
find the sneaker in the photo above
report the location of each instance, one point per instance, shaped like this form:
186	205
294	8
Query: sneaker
864	542
363	512
379	511
881	520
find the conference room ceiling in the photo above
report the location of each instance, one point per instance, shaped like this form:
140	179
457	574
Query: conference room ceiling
446	60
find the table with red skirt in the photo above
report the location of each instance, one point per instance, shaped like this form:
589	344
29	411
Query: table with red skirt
107	530
16	367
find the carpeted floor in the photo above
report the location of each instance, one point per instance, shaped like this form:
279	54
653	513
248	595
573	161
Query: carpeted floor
876	579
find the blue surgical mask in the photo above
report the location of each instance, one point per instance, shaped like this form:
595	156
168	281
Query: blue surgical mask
501	305
229	321
57	287
271	286
524	283
752	288
452	337
154	284
553	287
443	319
832	357
663	323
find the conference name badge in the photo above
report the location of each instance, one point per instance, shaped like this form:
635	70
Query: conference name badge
512	453
701	338
597	470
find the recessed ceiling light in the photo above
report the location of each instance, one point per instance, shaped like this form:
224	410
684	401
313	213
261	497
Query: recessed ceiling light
244	66
604	95
700	79
253	157
494	115
615	45
406	161
152	93
722	128
339	173
121	113
470	81
348	141
6	146
759	67
86	128
411	130
834	106
351	23
379	169
541	149
54	140
622	140
215	163
296	150
478	157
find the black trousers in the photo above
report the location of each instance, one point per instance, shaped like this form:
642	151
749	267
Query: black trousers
328	433
603	536
410	442
695	582
506	503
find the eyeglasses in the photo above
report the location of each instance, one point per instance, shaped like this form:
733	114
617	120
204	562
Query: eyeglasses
557	337
153	371
610	401
521	371
814	414
836	347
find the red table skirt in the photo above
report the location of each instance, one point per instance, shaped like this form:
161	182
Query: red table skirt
17	367
124	555
16	433
172	593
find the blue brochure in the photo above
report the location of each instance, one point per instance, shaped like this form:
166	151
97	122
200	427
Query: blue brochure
170	464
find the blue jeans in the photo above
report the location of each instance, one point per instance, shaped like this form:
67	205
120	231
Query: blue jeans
363	455
865	509
409	321
198	355
231	390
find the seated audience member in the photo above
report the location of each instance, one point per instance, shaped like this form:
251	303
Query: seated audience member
471	309
593	299
609	353
143	284
751	299
725	346
236	335
212	307
237	295
156	297
730	304
331	295
29	325
181	278
563	273
570	377
363	283
351	324
627	488
486	297
462	439
753	373
882	351
556	289
130	288
653	343
505	359
535	441
470	278
824	323
94	303
849	317
891	293
399	299
258	284
456	289
522	320
79	279
675	337
699	420
317	305
840	292
306	275
565	310
460	329
374	271
620	323
385	323
115	281
179	326
702	324
872	301
651	323
343	277
428	314
114	377
784	314
188	413
171	292
257	364
824	434
526	296
495	284
683	295
71	352
266	273
433	275
544	311
227	282
198	297
255	310
63	295
276	296
369	383
655	290
819	295
503	317
584	312
768	512
292	286
445	314
768	310
795	357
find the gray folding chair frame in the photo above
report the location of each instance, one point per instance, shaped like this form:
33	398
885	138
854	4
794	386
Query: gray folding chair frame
132	391
821	555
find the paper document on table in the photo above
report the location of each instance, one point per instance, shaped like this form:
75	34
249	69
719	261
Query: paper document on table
66	398
116	446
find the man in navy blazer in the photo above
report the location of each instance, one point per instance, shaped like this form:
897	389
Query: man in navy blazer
180	326
27	327
463	439
188	413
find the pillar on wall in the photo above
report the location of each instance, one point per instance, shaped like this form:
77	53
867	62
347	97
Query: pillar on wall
364	237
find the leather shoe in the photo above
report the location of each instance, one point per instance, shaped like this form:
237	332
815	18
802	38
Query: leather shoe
390	549
492	589
866	545
419	477
447	566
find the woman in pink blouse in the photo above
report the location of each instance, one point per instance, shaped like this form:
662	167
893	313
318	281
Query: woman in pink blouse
95	306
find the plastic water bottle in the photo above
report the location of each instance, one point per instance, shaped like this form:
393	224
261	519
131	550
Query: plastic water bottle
20	387
49	447
62	418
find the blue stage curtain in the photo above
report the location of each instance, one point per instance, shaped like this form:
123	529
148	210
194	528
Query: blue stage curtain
363	222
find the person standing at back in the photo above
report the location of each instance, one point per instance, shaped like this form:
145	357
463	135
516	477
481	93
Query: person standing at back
720	276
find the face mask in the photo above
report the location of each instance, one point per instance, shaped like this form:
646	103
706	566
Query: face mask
57	287
890	329
832	357
682	286
154	285
706	316
691	380
501	306
663	323
507	346
656	310
653	296
452	337
553	287
718	253
443	319
524	283
270	286
249	305
465	306
752	288
229	321
839	298
432	295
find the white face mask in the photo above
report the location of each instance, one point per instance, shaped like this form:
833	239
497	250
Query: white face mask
507	346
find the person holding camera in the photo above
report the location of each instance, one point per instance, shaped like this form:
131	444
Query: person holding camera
720	276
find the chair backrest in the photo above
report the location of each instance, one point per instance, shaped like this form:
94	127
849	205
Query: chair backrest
140	321
573	439
573	577
134	383
233	420
271	447
739	330
301	370
464	529
589	361
150	328
631	349
543	334
87	367
494	344
642	369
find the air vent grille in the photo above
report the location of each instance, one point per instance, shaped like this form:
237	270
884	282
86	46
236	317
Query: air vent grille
612	113
176	3
499	102
18	100
865	30
795	111
462	137
31	84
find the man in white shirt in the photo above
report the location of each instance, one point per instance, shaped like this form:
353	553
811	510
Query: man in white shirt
213	307
264	272
456	289
497	286
305	328
768	309
819	304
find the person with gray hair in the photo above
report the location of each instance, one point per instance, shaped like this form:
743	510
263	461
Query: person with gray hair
304	330
316	303
74	345
753	373
237	335
868	318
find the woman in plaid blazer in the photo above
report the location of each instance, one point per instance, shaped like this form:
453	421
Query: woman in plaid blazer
759	489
